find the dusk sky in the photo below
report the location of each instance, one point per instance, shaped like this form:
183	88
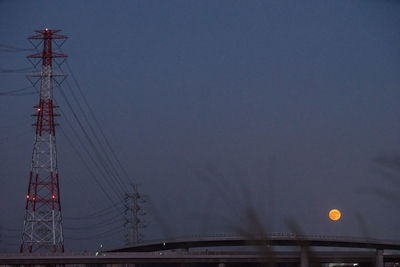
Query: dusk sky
215	108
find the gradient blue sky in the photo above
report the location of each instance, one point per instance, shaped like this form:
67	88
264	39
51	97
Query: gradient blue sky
305	90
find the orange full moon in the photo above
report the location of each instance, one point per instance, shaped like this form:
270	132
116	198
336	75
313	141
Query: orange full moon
334	215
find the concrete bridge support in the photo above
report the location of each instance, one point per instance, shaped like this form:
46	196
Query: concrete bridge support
303	257
379	258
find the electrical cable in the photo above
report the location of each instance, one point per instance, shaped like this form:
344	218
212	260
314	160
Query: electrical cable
11	48
94	215
109	233
17	90
100	225
91	143
19	94
23	70
107	167
85	164
105	153
79	154
97	225
97	122
94	118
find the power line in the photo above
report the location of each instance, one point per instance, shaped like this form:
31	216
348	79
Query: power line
92	145
79	154
19	94
104	234
82	159
95	215
96	225
11	48
98	149
97	123
105	153
95	150
23	70
17	90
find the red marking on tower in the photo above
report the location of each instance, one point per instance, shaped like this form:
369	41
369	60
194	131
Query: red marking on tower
42	205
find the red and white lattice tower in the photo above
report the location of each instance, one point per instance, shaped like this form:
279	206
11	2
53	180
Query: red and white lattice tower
43	230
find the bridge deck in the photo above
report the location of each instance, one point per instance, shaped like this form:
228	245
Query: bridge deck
267	240
191	257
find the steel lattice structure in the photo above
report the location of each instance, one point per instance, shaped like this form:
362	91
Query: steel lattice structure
134	216
42	229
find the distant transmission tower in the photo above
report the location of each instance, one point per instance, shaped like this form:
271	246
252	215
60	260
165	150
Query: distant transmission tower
134	213
42	230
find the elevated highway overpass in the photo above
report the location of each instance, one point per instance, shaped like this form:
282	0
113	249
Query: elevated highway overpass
366	252
174	258
263	240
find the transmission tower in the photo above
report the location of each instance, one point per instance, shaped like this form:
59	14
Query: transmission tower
42	229
134	213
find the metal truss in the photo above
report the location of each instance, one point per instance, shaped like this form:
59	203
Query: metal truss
42	229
